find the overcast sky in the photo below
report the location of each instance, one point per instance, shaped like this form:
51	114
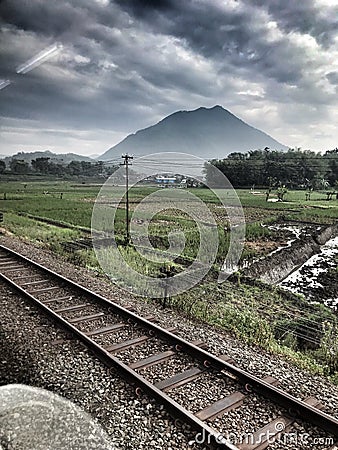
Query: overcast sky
79	75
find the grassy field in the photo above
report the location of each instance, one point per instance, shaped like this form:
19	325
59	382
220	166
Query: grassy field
256	314
72	203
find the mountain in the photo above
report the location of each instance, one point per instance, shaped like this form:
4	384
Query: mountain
64	158
205	132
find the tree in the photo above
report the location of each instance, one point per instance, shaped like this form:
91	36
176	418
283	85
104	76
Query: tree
294	168
19	166
324	183
2	166
41	165
331	156
281	191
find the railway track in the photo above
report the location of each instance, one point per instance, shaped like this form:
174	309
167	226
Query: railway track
141	351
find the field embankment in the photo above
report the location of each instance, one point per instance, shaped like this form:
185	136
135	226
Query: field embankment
275	267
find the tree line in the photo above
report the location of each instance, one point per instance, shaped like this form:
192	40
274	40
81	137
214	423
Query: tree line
45	166
294	168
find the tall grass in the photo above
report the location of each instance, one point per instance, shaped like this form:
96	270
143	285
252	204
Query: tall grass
252	312
38	232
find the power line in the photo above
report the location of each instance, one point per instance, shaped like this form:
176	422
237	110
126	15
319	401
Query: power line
282	156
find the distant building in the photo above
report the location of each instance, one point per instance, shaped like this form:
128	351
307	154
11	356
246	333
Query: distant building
165	180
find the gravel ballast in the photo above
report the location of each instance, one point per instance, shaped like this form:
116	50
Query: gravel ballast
30	355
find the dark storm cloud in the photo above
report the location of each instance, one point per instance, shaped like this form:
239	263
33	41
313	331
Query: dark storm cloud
127	63
142	8
236	36
304	17
45	18
204	26
60	99
332	77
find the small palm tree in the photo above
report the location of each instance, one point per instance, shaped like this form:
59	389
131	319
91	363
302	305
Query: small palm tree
324	183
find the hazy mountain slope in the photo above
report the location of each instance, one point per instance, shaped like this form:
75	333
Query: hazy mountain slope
64	158
208	133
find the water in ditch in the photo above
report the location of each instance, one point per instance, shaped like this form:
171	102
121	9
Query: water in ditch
317	278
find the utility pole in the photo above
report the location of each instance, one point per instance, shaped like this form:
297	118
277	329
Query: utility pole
166	272
126	163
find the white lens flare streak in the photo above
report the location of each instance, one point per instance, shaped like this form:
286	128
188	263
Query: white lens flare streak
40	58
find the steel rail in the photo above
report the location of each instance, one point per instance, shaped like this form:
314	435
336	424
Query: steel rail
174	409
294	406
